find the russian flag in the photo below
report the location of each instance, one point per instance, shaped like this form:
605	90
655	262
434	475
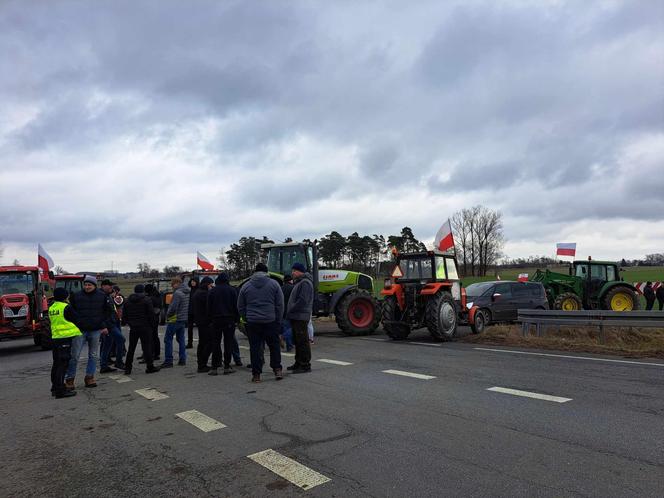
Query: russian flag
566	249
203	262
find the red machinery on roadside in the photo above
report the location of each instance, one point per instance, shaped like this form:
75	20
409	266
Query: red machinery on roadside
24	304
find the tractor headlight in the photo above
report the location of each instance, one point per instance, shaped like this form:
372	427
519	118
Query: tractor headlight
469	305
23	311
7	312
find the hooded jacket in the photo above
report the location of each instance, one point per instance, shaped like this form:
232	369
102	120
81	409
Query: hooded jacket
301	301
261	299
199	306
94	310
138	312
222	302
179	306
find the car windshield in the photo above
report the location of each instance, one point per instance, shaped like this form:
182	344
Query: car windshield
281	259
479	289
16	283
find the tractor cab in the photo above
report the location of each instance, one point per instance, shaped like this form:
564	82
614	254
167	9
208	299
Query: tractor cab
71	283
424	291
23	302
596	277
281	257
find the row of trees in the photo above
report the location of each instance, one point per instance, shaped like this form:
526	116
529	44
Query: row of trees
478	237
146	271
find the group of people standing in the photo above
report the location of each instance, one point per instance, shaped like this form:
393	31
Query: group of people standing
215	307
650	294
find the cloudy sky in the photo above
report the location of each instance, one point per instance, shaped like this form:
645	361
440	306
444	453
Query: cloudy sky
146	130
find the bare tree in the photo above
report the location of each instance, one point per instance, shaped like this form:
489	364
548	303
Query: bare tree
478	233
144	269
223	261
16	262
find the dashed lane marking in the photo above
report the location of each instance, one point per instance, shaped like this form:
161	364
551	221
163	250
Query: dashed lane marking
151	394
289	469
425	344
200	420
571	357
528	394
409	374
334	362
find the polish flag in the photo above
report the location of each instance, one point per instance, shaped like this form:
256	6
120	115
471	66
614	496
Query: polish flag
566	249
444	239
203	262
523	277
44	261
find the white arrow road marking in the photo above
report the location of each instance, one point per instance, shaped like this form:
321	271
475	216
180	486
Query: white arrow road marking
289	469
527	394
200	420
334	362
409	374
151	394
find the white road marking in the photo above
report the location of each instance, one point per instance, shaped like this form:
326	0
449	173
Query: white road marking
409	374
373	339
572	357
151	394
200	420
289	469
425	344
528	394
120	379
334	362
244	347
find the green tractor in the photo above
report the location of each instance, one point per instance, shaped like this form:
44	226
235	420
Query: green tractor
590	285
347	295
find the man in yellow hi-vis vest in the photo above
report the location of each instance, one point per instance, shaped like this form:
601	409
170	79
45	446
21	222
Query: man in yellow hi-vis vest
63	328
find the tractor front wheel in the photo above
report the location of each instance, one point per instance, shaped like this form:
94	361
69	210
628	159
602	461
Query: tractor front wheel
620	299
392	315
568	302
357	313
441	316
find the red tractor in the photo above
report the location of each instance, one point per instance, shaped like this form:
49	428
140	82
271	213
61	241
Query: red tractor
24	304
71	283
424	291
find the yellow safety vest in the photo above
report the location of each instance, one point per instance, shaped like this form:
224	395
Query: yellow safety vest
61	328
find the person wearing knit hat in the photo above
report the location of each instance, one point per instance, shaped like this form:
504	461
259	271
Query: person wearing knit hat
94	310
261	304
138	314
222	301
201	318
298	311
63	328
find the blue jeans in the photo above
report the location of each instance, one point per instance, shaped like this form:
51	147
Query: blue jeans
114	338
177	329
287	332
92	339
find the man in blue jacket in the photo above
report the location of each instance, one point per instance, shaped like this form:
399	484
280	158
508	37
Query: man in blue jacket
261	304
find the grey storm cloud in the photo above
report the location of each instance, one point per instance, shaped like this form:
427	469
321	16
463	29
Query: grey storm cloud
218	118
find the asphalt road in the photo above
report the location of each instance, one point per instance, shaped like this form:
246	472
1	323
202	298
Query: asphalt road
568	425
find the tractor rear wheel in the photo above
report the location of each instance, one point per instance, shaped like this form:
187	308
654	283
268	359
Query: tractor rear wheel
441	316
568	301
391	314
357	313
481	321
620	299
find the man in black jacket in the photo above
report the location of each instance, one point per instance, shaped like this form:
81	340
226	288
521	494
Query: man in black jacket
138	314
649	294
660	296
222	306
152	292
201	317
94	309
193	288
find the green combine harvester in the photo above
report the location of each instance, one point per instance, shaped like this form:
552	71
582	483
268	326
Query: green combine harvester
590	285
347	295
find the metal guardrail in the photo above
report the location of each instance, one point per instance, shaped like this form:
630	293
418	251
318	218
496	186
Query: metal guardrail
596	318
